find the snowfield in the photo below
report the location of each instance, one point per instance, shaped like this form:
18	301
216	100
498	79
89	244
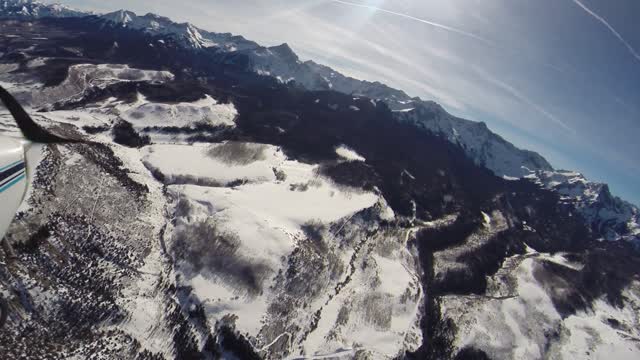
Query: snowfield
266	214
144	114
206	163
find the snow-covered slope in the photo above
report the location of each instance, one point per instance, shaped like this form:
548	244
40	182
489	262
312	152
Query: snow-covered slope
607	215
80	78
526	306
144	114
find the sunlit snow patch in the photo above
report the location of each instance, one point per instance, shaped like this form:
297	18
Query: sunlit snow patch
348	154
84	76
206	111
214	165
108	73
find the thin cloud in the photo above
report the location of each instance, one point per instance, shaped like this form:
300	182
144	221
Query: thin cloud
511	51
523	98
613	31
406	16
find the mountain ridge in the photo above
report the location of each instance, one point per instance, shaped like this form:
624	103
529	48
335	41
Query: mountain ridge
483	146
282	62
21	9
219	213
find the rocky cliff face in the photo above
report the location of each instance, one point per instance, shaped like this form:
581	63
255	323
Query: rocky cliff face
608	216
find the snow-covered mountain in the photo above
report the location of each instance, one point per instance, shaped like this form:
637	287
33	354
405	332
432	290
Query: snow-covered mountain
186	33
481	144
157	25
26	9
611	219
607	215
282	62
218	213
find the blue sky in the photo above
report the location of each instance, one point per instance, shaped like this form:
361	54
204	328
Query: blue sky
560	77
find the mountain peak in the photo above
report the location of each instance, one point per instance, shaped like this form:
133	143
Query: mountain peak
156	17
285	52
121	16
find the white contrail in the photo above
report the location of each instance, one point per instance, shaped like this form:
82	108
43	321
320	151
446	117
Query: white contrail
451	29
518	95
605	23
521	97
434	24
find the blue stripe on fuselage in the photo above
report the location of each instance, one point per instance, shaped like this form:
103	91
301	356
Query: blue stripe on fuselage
11	171
15	181
10	165
10	178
